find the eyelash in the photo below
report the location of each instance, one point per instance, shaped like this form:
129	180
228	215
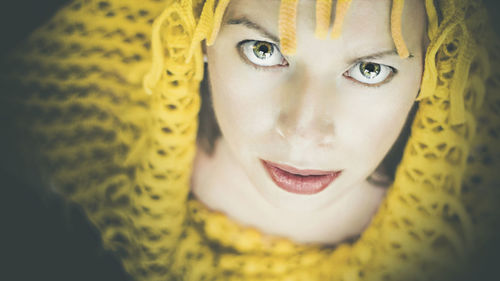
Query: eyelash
245	59
394	71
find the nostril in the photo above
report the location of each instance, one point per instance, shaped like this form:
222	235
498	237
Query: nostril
306	128
327	133
327	141
311	134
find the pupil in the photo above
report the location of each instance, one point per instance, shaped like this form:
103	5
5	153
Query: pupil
262	50
370	70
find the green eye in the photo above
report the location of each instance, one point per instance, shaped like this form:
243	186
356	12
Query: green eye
261	53
263	50
370	70
370	73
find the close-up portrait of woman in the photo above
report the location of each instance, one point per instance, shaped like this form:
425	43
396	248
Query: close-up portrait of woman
260	140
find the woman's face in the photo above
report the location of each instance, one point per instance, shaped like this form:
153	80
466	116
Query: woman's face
307	128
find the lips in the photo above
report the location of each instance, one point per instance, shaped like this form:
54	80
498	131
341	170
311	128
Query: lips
299	181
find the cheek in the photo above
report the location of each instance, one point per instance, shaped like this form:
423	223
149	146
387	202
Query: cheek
369	137
371	130
244	99
370	125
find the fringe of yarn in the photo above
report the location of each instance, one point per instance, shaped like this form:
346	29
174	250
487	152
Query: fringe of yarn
340	12
397	26
288	26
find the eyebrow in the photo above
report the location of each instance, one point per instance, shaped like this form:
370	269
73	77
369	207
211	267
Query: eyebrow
252	25
264	32
378	55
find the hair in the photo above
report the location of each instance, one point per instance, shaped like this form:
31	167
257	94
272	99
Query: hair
208	129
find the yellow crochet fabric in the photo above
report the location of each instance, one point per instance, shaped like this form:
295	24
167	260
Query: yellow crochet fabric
102	103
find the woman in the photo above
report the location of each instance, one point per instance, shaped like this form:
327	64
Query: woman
305	123
329	113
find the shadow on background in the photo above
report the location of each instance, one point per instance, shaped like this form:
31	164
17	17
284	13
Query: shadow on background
42	238
39	241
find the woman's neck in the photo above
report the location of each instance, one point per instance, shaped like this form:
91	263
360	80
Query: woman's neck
222	185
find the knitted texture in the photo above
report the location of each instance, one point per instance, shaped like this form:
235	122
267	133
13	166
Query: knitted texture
102	103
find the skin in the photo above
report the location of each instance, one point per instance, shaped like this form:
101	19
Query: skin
308	113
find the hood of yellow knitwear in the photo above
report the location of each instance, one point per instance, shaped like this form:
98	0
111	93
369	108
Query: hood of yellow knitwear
103	104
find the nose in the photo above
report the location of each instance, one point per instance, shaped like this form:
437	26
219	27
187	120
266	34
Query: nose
306	117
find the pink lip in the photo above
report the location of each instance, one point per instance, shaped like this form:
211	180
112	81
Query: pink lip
299	181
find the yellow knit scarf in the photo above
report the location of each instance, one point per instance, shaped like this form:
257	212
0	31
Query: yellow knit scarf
76	89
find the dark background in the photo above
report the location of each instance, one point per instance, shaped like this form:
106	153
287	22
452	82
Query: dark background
40	241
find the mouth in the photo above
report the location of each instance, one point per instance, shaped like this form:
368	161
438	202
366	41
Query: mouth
299	181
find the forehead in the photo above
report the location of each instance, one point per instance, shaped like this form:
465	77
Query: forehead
365	21
370	12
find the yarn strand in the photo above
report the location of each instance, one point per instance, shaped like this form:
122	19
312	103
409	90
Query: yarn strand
288	26
203	28
457	106
323	15
154	75
396	28
340	12
219	14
